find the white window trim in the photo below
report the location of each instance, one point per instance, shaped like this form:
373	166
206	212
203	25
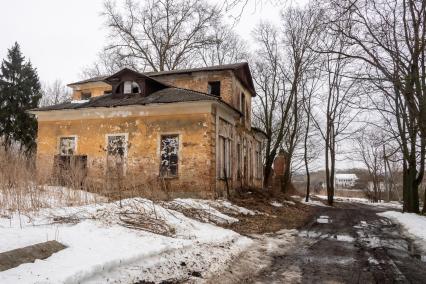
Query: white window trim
58	144
126	138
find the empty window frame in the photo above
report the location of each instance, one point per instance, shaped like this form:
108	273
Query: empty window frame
213	88
224	157
86	95
169	155
224	149
131	87
239	160
243	104
67	146
259	165
116	154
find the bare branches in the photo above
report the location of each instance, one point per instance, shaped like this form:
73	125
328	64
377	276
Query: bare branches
160	35
282	59
54	93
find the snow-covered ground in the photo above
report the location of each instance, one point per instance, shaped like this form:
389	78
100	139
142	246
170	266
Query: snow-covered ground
391	204
414	224
102	246
310	202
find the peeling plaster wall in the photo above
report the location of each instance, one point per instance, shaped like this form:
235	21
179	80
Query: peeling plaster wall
94	90
196	161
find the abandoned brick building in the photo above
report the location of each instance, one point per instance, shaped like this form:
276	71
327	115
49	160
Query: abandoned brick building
187	130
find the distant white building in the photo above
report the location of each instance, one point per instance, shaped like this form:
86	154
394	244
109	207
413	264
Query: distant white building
345	180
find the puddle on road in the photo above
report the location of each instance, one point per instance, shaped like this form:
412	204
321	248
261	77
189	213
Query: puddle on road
320	235
384	234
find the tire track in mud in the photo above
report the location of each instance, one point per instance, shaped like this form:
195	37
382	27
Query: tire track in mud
340	245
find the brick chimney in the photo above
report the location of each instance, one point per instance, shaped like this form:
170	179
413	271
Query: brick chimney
279	163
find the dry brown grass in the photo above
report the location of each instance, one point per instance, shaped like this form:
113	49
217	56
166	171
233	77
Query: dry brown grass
272	218
24	190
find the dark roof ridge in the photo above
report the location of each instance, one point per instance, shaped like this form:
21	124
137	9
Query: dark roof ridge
165	72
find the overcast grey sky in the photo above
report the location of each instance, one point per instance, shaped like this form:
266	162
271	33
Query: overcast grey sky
61	37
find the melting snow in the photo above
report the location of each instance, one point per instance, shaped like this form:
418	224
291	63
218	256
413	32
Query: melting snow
98	244
413	223
79	101
323	220
276	204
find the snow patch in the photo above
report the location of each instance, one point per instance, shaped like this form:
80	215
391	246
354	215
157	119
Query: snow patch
391	204
413	223
314	203
276	204
325	220
372	260
97	243
79	101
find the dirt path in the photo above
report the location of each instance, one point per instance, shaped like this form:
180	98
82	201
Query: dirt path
350	244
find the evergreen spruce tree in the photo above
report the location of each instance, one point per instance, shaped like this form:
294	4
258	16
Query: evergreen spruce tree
20	91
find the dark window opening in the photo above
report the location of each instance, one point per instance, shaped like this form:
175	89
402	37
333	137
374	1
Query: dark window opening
86	95
243	104
239	162
116	150
70	170
169	149
213	88
224	158
131	87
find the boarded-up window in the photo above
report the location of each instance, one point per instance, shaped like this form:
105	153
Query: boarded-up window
116	152
169	149
67	146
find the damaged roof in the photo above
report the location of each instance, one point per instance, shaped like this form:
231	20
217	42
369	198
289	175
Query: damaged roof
241	71
167	95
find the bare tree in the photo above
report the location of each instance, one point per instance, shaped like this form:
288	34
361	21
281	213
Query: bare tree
369	151
387	40
336	108
310	87
108	62
54	93
160	34
227	47
281	62
271	106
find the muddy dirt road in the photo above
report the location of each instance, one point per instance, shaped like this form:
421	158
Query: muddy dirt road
350	244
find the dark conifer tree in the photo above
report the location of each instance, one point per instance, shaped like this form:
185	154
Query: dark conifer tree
20	91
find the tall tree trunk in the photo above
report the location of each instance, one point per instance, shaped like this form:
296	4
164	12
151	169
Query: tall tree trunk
270	156
305	156
330	198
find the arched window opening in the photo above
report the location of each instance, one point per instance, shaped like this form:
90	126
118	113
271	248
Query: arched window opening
131	87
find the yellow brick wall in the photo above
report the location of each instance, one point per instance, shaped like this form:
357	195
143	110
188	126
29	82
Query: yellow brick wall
94	90
196	176
198	81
